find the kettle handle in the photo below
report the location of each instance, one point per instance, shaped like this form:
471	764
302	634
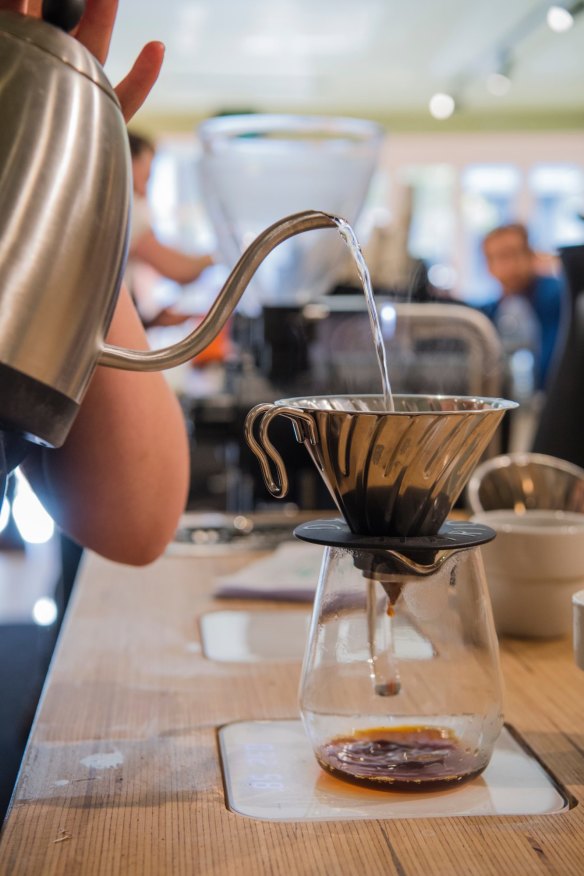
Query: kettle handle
65	14
265	451
224	304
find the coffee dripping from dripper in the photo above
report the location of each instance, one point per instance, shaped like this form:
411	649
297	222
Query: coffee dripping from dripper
400	684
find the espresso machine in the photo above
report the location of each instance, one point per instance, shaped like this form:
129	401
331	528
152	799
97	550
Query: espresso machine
400	685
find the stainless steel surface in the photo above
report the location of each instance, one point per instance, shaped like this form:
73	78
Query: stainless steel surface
64	205
395	473
44	37
527	481
64	202
224	304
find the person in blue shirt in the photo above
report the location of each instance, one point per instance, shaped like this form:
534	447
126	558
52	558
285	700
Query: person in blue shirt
532	301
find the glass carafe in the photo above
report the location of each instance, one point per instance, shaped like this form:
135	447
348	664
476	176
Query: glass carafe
401	684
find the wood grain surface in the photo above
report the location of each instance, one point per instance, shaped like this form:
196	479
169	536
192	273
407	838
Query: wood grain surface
129	688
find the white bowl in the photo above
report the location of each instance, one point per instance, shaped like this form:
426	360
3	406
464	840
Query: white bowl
533	567
526	482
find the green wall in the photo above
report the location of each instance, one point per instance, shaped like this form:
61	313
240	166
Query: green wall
521	120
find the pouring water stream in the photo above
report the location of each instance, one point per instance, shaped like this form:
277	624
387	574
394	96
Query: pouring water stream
385	684
350	239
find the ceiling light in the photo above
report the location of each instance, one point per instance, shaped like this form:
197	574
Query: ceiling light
559	19
442	105
498	84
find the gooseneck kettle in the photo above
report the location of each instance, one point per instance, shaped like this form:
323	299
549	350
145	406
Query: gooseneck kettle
65	193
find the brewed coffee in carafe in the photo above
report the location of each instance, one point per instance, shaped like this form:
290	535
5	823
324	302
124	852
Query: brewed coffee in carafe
400	685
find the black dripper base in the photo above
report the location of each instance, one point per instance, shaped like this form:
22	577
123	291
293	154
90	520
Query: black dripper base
375	554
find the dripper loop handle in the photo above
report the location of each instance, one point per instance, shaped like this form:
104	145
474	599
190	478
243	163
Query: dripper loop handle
265	451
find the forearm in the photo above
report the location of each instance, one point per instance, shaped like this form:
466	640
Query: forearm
170	262
119	483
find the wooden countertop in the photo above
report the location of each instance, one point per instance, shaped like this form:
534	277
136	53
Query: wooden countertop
128	676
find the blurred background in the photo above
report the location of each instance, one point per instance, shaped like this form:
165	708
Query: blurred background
482	102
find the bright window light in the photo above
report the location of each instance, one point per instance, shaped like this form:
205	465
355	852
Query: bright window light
552	179
499	179
44	611
4	515
33	522
442	105
559	19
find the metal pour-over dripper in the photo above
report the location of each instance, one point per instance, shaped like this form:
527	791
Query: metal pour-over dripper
422	713
390	473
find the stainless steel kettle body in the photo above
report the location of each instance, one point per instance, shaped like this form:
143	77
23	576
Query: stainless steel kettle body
64	205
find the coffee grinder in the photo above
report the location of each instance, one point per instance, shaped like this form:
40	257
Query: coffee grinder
400	684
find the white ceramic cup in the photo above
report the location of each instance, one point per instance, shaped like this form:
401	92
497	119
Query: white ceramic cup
533	567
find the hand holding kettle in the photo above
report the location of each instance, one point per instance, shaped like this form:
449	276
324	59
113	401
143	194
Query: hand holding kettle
64	202
65	189
119	482
92	23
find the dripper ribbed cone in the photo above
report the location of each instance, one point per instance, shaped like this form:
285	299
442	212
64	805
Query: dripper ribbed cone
390	473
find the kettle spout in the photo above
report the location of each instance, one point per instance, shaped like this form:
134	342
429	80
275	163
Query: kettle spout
226	301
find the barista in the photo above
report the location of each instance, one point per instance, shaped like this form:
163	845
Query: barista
146	249
119	483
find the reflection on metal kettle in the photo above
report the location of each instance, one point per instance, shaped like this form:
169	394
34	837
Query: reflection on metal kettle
64	204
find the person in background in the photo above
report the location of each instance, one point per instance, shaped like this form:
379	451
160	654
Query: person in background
119	482
146	249
529	311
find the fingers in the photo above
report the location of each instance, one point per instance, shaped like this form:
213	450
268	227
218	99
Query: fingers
95	31
96	26
134	89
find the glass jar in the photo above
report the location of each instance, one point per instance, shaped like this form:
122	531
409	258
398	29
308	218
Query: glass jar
401	683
